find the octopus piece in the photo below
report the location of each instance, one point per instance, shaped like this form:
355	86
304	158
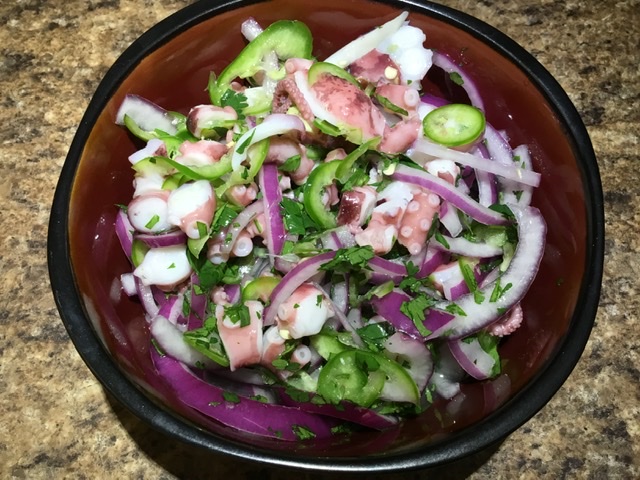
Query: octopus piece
330	196
405	47
202	152
219	296
243	344
401	136
154	148
243	194
356	206
148	212
288	94
508	323
301	355
349	105
444	169
272	346
382	230
192	204
376	68
206	117
303	313
403	96
292	65
283	148
417	220
164	267
335	154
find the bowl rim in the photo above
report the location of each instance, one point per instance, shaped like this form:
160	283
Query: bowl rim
517	411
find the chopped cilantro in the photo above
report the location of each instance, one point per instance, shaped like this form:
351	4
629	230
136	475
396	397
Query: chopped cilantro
243	146
328	128
223	217
291	164
416	309
389	105
238	314
303	433
351	258
298	395
231	397
456	78
455	309
296	219
153	221
173	265
235	100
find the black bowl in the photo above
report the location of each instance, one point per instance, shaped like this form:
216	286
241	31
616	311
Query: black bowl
170	65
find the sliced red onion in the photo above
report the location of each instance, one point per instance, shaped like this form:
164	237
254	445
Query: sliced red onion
250	28
432	260
462	246
165	239
388	307
355	318
340	296
239	224
233	293
472	358
433	100
274	124
411	352
385	270
345	411
197	305
487	183
272	196
423	149
128	282
450	194
450	220
292	280
451	280
520	274
171	309
151	149
523	155
337	238
449	66
145	295
500	151
446	374
124	232
241	413
170	339
147	115
340	315
365	43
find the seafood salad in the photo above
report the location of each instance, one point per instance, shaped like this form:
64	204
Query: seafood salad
326	245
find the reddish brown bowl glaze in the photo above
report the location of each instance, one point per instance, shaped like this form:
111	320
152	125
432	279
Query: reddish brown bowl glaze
170	65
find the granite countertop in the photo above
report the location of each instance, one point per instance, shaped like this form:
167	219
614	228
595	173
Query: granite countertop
57	421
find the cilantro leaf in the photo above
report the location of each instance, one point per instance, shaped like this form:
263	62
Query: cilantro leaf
416	309
238	314
296	219
291	164
352	258
235	100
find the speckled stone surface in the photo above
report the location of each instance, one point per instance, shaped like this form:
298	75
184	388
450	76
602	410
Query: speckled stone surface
57	421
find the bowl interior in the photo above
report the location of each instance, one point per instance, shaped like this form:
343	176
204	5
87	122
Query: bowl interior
175	75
